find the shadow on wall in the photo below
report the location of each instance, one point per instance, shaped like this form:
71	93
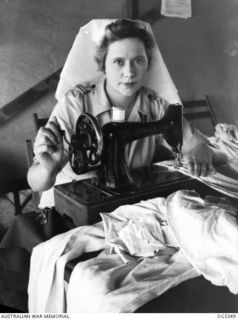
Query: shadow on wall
201	54
226	110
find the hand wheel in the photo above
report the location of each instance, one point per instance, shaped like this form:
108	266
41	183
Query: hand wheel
86	145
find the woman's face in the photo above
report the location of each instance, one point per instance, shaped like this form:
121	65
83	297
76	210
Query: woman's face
125	67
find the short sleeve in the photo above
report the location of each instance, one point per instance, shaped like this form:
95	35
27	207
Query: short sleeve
67	111
159	106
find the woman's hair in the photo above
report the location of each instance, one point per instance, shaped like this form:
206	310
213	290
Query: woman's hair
119	30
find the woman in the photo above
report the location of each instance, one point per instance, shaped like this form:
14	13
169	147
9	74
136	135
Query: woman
124	56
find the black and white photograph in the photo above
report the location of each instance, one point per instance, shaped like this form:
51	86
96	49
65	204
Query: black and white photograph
119	159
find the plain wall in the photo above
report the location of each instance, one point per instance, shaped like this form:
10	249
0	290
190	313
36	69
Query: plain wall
201	54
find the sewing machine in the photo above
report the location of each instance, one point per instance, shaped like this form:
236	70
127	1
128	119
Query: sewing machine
103	150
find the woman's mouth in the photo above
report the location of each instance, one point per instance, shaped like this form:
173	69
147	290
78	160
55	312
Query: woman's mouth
129	84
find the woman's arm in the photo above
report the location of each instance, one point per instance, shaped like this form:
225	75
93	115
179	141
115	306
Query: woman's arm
51	152
48	161
197	154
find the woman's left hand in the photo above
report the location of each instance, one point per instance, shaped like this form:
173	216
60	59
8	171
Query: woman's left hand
199	161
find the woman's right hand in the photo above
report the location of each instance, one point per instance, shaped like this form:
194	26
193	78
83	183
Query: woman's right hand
48	147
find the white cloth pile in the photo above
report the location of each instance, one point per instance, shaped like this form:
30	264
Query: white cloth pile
170	240
114	281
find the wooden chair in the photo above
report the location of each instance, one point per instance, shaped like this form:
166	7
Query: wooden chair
15	188
201	114
38	122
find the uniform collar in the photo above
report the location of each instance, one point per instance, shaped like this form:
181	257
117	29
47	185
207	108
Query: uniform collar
139	110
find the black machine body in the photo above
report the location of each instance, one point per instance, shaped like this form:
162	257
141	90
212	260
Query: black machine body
104	149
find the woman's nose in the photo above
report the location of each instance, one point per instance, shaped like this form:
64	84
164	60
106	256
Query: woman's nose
129	69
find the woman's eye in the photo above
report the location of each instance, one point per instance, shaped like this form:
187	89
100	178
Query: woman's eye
139	60
119	62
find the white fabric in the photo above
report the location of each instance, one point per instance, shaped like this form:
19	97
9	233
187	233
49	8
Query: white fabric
141	232
105	283
224	180
226	139
81	67
48	260
207	231
117	287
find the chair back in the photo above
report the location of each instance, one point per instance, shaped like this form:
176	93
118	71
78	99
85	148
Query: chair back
38	122
200	113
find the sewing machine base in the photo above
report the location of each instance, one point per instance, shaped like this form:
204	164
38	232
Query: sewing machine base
83	200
